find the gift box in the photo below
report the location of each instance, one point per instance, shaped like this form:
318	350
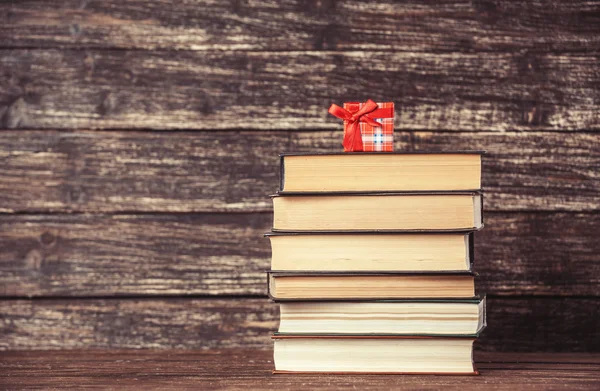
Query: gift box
368	126
376	138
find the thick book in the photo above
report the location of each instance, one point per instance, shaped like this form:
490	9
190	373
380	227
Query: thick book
374	285
407	171
414	211
384	317
374	354
371	251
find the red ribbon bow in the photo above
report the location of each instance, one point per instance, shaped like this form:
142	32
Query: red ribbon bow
352	136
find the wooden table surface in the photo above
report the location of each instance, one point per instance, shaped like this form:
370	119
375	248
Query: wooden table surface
251	369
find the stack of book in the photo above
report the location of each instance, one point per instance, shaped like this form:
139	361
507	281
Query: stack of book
372	262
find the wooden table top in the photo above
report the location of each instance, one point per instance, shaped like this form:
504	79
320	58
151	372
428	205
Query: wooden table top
251	370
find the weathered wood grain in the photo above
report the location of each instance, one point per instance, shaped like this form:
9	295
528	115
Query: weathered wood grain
92	255
123	89
544	171
509	77
541	324
516	324
539	254
450	25
137	323
88	171
147	171
225	254
243	369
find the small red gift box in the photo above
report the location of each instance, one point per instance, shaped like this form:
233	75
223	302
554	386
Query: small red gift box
368	126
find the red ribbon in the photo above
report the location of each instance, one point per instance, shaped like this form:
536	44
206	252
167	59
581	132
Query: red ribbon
352	136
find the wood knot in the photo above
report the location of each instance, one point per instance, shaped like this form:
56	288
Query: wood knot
534	114
487	11
34	260
89	64
206	105
318	7
238	6
129	76
15	114
322	7
327	38
528	64
75	30
108	104
47	239
74	194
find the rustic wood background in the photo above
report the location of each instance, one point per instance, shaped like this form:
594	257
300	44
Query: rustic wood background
139	140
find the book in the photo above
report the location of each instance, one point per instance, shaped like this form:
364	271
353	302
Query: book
376	285
371	252
374	354
450	211
408	171
399	317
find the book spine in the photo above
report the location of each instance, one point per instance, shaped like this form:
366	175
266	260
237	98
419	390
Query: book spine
281	172
484	309
482	210
471	250
269	287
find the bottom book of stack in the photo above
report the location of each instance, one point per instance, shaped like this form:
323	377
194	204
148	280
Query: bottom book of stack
416	336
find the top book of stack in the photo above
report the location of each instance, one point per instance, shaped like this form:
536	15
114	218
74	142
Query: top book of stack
380	172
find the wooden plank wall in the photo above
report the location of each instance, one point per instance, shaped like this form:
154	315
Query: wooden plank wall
139	140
